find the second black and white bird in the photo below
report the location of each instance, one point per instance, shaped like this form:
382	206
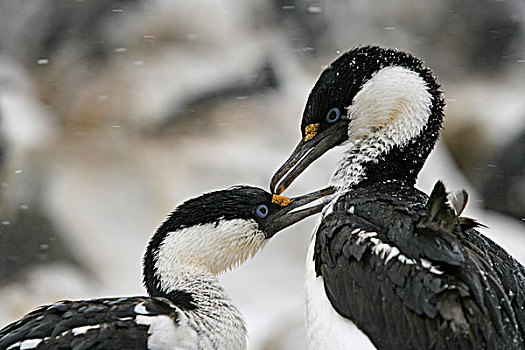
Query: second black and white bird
403	267
186	307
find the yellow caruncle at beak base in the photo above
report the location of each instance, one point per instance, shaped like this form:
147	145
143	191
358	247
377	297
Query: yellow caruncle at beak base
310	131
281	200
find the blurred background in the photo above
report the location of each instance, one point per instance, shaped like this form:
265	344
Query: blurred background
113	112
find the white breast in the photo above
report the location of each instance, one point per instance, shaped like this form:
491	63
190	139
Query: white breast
325	328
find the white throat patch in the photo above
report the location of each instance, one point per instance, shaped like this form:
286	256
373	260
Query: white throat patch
391	108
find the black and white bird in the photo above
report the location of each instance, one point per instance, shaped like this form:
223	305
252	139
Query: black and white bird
402	266
186	307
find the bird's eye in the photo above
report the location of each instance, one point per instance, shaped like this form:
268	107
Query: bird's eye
333	115
262	211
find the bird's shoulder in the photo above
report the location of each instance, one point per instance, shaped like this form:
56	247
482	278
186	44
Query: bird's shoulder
400	217
113	323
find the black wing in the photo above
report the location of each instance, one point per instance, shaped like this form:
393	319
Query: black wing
413	275
87	324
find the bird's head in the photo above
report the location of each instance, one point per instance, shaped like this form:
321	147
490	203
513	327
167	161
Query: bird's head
381	103
219	230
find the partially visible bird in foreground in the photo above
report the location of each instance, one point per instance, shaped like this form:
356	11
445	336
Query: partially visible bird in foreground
407	269
186	307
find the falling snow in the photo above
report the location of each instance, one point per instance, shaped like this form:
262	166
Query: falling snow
93	119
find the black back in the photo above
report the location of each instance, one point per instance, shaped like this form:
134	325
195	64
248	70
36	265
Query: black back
114	322
473	299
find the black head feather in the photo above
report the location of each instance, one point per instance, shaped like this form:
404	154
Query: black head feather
238	202
343	78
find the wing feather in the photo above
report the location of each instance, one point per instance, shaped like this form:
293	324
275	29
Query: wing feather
410	275
97	323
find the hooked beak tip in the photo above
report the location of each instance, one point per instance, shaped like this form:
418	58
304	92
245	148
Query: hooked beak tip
296	210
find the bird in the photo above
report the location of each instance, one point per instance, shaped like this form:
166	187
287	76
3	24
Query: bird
407	269
186	308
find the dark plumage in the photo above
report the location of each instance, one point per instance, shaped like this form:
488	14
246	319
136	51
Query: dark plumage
473	300
109	324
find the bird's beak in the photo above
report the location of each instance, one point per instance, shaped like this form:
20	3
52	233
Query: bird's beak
294	211
306	152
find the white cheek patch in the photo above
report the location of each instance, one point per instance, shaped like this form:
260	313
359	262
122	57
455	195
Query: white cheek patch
207	248
394	103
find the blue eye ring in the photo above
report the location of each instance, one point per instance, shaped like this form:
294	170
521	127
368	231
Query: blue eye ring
333	115
262	211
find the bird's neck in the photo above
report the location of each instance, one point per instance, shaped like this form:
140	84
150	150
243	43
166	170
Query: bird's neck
168	274
182	284
199	295
378	160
